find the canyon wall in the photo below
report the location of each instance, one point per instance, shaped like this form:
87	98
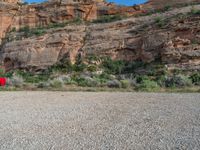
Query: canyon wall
171	37
15	15
176	42
18	16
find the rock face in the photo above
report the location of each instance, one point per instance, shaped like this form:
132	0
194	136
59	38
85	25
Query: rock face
10	1
7	14
46	50
176	43
159	4
16	15
173	39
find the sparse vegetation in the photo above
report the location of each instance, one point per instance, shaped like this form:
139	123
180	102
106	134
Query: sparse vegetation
41	30
113	74
56	84
160	22
28	32
195	77
1	71
195	11
178	81
125	84
148	85
103	72
30	77
113	67
109	18
167	8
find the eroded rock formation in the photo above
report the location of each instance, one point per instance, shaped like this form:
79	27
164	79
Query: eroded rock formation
174	38
177	42
14	14
160	4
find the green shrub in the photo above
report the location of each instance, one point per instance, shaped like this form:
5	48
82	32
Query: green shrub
178	81
86	82
32	78
166	8
195	78
70	82
140	79
113	66
160	22
148	85
56	84
13	29
37	78
16	81
114	84
79	67
24	29
92	58
66	66
195	11
108	18
92	68
39	31
7	74
56	25
125	84
63	66
1	71
158	19
28	32
102	78
43	85
77	21
161	80
130	67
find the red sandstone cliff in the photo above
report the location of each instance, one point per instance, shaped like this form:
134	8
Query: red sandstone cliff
16	15
167	36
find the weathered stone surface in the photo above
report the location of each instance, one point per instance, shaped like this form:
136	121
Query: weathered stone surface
7	15
41	52
160	4
10	1
15	15
176	42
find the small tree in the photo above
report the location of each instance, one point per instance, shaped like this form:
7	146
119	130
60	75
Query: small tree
2	70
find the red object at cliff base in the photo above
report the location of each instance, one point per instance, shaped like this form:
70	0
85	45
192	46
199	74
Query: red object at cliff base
2	81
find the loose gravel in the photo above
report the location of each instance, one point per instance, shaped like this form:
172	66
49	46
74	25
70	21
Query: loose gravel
92	121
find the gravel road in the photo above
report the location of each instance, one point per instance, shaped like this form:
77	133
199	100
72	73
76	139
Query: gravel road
107	121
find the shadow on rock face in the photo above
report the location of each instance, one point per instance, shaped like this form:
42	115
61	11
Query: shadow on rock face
8	64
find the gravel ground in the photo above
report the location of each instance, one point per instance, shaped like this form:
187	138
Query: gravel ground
67	120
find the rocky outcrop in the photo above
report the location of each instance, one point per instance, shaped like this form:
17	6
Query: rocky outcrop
175	43
163	4
10	1
173	39
44	51
15	15
18	16
7	15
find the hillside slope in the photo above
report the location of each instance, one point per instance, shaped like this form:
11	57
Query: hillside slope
157	4
172	37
